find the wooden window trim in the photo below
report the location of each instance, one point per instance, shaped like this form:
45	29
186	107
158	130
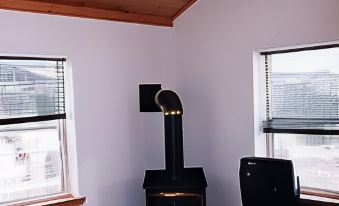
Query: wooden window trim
59	200
308	200
320	193
313	197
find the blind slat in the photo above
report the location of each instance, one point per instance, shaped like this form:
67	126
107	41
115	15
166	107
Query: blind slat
311	48
32	119
302	126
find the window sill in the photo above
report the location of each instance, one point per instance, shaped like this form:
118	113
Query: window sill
309	200
61	200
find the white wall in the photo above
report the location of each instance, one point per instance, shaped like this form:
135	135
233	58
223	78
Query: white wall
115	142
215	41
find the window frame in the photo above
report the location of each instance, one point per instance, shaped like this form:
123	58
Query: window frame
63	132
64	155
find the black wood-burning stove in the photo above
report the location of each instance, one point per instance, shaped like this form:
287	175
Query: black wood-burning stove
175	185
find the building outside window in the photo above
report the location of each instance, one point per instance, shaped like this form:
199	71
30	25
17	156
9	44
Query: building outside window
302	113
33	159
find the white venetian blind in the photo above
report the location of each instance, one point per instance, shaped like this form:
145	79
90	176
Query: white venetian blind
302	91
31	89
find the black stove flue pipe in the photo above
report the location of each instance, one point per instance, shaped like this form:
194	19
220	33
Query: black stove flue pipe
171	106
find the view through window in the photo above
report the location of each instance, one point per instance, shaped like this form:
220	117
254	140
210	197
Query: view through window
316	158
302	106
32	118
30	161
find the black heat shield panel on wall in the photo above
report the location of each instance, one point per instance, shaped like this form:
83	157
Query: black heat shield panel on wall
147	94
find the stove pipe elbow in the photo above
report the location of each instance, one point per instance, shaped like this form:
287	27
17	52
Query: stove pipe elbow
169	102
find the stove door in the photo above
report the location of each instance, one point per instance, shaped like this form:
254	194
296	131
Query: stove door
181	199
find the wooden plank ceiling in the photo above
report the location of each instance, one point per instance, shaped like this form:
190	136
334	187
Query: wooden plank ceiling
153	12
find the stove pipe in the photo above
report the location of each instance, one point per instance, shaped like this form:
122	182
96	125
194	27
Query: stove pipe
171	106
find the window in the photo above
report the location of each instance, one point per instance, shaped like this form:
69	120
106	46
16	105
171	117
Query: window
32	128
302	113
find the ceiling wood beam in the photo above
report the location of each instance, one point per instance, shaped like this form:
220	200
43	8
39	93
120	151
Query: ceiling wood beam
66	10
181	11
